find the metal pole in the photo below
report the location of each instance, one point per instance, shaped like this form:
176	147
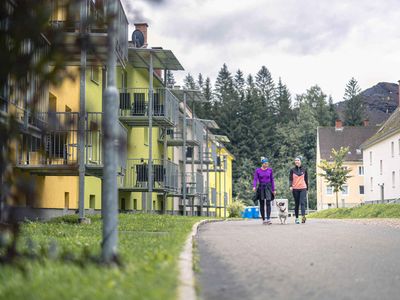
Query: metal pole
225	167
110	127
165	166
150	166
219	181
201	168
82	113
208	175
184	155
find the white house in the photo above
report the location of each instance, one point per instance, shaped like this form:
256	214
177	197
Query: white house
381	158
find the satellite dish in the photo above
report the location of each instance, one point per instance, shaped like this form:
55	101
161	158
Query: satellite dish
138	38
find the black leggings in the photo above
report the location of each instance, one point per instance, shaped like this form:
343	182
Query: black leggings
262	209
299	200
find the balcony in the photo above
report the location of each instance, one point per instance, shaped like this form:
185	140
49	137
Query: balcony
194	134
194	184
55	151
134	107
165	176
68	20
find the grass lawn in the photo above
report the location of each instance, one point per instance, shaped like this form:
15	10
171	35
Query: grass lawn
364	211
149	246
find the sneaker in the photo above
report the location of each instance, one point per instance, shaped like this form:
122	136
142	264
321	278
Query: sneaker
263	222
297	221
269	222
303	219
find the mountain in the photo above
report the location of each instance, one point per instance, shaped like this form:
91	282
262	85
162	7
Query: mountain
379	102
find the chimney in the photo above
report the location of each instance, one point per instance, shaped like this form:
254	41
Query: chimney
338	125
143	28
365	122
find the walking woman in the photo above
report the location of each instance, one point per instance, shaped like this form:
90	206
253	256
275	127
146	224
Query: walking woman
298	181
264	184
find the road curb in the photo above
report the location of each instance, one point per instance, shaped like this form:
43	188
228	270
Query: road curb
186	287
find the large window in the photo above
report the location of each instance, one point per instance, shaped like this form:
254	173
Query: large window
345	190
361	170
329	190
380	167
371	182
361	187
393	179
370	158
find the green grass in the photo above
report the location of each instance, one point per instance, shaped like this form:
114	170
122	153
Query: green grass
149	246
360	212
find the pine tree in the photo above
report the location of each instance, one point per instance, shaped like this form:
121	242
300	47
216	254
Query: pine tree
189	82
354	111
283	103
200	81
316	99
266	88
170	79
332	111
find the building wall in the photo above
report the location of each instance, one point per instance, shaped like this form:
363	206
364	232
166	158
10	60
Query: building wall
350	199
375	176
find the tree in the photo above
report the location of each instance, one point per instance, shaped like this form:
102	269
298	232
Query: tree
283	102
354	110
333	171
170	79
266	88
189	82
332	111
243	184
316	99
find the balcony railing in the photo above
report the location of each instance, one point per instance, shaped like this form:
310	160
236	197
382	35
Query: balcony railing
67	18
58	144
194	183
134	106
165	174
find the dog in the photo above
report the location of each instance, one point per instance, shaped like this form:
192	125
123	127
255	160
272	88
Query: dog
283	214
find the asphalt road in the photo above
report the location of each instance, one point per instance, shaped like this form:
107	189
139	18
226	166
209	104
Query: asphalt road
322	259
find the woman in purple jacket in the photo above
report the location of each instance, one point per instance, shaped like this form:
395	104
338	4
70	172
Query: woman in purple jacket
265	189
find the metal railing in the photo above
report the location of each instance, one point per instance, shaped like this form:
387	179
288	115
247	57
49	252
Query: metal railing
195	129
134	102
194	183
165	174
58	144
67	18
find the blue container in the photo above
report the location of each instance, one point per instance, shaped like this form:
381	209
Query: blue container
255	212
247	213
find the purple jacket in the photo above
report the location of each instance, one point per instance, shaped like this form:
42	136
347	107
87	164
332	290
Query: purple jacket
264	176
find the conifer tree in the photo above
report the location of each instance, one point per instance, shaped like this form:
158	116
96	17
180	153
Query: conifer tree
354	111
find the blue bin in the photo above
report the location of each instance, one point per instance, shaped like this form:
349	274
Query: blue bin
247	213
255	212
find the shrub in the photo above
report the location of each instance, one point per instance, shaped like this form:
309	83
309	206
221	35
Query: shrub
235	209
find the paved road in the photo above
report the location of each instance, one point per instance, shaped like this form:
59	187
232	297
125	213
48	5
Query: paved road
322	259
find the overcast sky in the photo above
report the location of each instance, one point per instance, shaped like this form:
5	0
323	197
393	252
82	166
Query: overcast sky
305	42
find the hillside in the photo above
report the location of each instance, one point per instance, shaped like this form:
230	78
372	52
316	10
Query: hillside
380	101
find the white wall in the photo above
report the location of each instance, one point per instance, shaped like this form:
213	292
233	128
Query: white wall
382	151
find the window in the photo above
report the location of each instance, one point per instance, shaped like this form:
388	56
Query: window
371	182
380	167
95	75
399	146
361	187
361	170
329	190
66	200
370	158
345	190
392	148
393	179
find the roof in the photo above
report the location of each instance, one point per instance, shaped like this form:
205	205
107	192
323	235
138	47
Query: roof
391	126
162	59
350	136
191	95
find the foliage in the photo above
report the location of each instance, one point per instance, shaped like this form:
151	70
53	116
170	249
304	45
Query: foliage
363	211
235	209
354	111
149	246
334	172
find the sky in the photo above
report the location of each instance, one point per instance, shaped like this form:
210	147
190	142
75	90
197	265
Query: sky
305	42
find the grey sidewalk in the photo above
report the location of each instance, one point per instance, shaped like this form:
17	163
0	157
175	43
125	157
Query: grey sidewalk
318	260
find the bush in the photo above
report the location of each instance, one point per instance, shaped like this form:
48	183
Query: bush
235	209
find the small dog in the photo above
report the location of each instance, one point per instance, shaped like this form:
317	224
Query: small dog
282	211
